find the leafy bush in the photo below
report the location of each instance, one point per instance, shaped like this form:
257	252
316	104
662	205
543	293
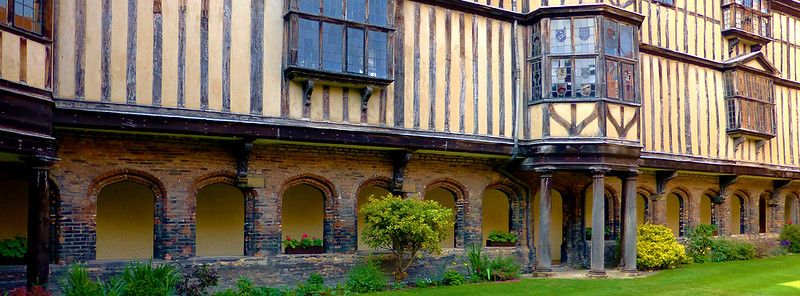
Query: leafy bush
79	284
304	242
699	241
478	263
314	285
247	288
791	234
365	276
481	268
764	245
656	248
504	268
147	279
502	237
197	281
406	227
453	278
14	248
425	282
33	291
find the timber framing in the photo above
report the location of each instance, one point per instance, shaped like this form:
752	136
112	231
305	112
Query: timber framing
25	126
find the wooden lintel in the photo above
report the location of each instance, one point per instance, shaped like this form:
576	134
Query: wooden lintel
777	187
725	181
308	88
399	161
366	93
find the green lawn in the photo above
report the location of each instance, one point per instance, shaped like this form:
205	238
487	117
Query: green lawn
772	276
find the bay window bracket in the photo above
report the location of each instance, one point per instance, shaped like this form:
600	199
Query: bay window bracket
366	93
777	187
308	88
662	177
759	145
725	181
738	141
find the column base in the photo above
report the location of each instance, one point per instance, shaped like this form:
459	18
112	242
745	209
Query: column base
597	274
544	273
630	272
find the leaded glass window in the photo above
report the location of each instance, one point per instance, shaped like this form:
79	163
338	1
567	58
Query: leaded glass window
585	78
355	11
750	103
332	37
626	41
560	36
584	33
628	82
355	50
377	54
611	38
308	53
561	78
612	79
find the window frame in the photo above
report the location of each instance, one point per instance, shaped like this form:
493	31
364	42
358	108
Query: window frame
543	59
747	92
10	19
344	76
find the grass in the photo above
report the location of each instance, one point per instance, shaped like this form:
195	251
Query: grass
771	276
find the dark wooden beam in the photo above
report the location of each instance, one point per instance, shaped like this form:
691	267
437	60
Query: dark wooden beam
662	177
37	256
725	181
651	160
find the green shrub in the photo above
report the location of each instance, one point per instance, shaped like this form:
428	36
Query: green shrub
247	288
478	263
791	234
453	278
147	279
314	285
425	282
502	237
197	281
699	241
481	268
79	284
504	268
14	247
656	248
365	276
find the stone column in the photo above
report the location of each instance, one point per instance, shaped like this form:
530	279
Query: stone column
544	261
37	259
629	235
598	222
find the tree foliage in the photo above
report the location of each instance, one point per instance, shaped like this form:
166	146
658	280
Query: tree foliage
406	227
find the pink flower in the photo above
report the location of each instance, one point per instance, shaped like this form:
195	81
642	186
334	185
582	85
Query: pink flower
314	237
790	222
288	238
305	235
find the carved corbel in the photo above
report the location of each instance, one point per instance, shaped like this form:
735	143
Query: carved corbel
777	187
662	177
725	181
732	44
242	153
308	88
759	144
738	141
399	161
366	93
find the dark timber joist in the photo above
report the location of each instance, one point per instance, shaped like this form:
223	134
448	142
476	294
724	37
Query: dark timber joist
725	181
399	161
662	177
777	187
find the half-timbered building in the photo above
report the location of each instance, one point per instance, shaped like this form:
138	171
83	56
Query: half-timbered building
210	130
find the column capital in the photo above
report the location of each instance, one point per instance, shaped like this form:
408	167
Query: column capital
632	174
547	170
599	170
41	162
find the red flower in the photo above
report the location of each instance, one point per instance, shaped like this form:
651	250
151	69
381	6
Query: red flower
288	238
305	235
790	222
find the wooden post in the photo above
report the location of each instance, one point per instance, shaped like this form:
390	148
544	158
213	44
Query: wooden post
543	259
37	257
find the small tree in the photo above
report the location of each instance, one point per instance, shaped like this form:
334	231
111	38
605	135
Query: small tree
405	226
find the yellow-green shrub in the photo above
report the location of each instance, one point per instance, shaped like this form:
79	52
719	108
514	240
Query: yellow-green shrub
656	248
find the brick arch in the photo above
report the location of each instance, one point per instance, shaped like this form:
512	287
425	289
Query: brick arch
513	191
159	215
251	214
330	209
684	202
461	206
383	182
647	192
793	197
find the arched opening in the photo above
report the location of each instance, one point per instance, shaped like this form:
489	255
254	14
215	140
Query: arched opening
556	224
362	199
446	199
608	215
675	214
642	210
762	213
495	215
303	212
13	208
219	222
737	215
706	210
790	209
125	217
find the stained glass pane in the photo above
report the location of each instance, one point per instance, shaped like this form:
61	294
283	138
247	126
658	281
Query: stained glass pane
626	41
377	12
536	92
612	79
355	50
332	47
377	54
536	37
355	11
561	78
332	8
585	78
308	44
628	84
584	33
309	6
611	37
560	36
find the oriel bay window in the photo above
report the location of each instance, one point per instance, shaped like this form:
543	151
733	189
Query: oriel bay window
340	39
583	58
750	105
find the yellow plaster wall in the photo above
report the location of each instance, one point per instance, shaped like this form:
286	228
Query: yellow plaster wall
640	203
219	221
445	199
362	199
273	30
119	50
705	209
66	49
495	211
125	221
302	212
736	211
37	57
556	223
144	52
93	40
673	213
11	57
169	62
13	208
